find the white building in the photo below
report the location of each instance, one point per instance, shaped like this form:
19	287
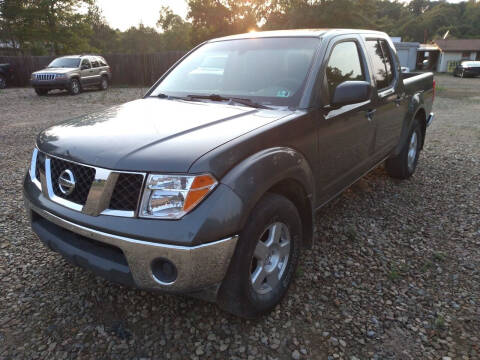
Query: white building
453	51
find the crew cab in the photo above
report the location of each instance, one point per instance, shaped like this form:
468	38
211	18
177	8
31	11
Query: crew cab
208	185
72	73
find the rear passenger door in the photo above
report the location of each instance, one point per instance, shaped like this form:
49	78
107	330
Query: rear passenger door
86	72
345	134
96	67
389	95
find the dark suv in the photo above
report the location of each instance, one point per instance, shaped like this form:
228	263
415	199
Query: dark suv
6	75
72	73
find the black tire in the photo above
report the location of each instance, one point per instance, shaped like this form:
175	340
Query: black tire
3	82
103	83
237	294
41	92
400	166
74	88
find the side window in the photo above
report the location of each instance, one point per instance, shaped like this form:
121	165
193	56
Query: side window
86	64
95	62
381	61
344	65
387	55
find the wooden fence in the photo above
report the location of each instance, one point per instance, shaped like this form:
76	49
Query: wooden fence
127	69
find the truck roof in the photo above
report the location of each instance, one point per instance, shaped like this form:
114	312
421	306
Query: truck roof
298	33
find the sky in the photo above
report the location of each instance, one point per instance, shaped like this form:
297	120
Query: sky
123	14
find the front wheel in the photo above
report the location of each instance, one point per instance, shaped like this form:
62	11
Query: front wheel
74	87
404	164
265	259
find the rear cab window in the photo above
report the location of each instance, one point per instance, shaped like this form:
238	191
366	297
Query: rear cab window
383	68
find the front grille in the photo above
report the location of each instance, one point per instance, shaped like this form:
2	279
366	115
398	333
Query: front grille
40	165
84	176
124	196
45	76
127	191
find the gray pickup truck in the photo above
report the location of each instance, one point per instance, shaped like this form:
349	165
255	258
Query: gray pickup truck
209	184
72	73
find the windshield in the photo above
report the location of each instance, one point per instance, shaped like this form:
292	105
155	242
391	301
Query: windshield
270	71
65	63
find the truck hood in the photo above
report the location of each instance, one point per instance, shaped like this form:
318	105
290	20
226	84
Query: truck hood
152	134
55	70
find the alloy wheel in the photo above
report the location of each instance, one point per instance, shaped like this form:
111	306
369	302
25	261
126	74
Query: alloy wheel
270	258
412	151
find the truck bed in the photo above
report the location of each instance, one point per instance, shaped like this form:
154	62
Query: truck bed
417	82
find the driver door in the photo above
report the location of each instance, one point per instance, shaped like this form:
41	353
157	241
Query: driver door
346	134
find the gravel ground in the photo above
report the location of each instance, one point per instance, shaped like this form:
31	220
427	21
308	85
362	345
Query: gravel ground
394	274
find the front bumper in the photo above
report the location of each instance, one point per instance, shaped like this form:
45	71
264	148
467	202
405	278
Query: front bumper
430	119
57	83
130	261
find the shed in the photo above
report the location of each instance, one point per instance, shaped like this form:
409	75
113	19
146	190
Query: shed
407	53
453	51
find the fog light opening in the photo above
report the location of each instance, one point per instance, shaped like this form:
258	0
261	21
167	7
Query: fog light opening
164	271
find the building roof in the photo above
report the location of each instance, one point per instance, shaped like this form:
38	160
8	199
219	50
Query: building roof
458	44
428	47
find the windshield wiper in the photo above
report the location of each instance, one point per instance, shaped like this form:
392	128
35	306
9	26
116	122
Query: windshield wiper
171	97
243	101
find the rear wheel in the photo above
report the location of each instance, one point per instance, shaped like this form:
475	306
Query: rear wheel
265	259
41	92
74	87
3	82
104	83
404	164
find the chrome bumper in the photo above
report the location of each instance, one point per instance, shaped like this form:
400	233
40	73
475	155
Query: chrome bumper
197	267
430	119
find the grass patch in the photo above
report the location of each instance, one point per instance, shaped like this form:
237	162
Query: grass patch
439	256
351	233
425	267
439	323
397	271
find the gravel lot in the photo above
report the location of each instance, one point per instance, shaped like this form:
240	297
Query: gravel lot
394	274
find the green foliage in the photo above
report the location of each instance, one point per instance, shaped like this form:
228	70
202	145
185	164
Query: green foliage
58	27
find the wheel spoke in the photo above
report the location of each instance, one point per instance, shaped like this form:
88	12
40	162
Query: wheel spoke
261	251
284	249
258	277
273	277
275	234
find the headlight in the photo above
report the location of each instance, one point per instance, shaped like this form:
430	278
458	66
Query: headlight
172	196
60	76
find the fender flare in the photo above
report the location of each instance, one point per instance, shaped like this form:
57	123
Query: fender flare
415	106
254	176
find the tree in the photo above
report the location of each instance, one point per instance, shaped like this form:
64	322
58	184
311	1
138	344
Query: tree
103	38
176	31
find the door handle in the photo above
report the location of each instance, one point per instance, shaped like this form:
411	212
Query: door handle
370	114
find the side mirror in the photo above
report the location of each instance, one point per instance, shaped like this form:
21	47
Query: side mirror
351	92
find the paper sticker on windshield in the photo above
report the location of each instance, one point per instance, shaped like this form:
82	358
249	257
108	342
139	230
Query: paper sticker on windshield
283	93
